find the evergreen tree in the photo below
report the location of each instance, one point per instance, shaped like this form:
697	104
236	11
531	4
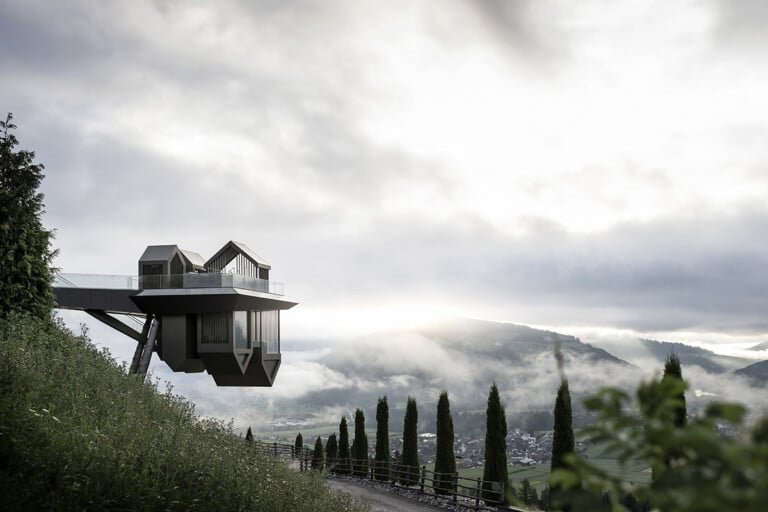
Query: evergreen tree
409	466
342	463
249	435
562	438
317	455
360	446
331	451
298	445
495	469
25	245
381	460
672	370
445	458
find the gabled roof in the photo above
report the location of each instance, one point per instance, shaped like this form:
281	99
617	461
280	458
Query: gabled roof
197	261
231	249
158	253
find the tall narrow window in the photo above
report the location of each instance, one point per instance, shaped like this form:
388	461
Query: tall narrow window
241	330
270	331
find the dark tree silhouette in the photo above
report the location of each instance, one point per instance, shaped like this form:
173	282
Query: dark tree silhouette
495	468
331	451
360	446
445	458
317	454
342	464
562	438
381	458
672	370
408	470
26	274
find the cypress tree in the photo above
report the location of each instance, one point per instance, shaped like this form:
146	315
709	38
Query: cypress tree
672	370
381	459
26	274
317	455
495	468
360	446
562	438
331	451
342	463
298	446
409	467
249	435
445	458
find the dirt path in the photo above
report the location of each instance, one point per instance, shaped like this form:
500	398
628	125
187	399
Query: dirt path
381	501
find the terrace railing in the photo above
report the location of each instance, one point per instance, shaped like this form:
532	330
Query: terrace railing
191	280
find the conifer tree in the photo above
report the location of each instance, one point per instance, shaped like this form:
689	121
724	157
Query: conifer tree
331	451
342	463
381	459
445	458
495	468
409	466
360	446
26	274
317	454
249	435
672	370
298	446
562	438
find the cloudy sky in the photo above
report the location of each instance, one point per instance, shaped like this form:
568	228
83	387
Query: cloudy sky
578	165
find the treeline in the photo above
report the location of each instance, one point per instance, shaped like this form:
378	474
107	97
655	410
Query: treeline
342	458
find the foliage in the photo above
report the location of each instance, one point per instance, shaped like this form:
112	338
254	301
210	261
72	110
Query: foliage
25	245
77	433
707	471
342	463
381	464
528	494
317	454
331	451
298	445
562	438
445	458
360	446
409	465
672	370
495	467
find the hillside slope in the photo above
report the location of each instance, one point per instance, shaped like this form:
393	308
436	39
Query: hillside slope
757	373
77	433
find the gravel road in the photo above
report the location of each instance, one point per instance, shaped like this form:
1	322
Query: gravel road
380	501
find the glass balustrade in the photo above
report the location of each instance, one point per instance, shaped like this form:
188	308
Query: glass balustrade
191	280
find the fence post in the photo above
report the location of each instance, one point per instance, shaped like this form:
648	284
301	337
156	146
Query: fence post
477	497
455	478
503	494
275	447
372	463
423	477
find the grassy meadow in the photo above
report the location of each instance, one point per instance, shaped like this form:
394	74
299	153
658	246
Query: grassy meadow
77	433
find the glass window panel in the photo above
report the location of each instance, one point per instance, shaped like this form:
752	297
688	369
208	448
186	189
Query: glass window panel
241	330
214	328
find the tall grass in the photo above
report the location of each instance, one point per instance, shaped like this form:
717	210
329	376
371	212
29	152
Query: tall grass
77	433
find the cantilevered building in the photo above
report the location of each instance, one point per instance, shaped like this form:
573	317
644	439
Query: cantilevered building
220	315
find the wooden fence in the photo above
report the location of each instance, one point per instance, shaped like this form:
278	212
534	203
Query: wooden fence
464	492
